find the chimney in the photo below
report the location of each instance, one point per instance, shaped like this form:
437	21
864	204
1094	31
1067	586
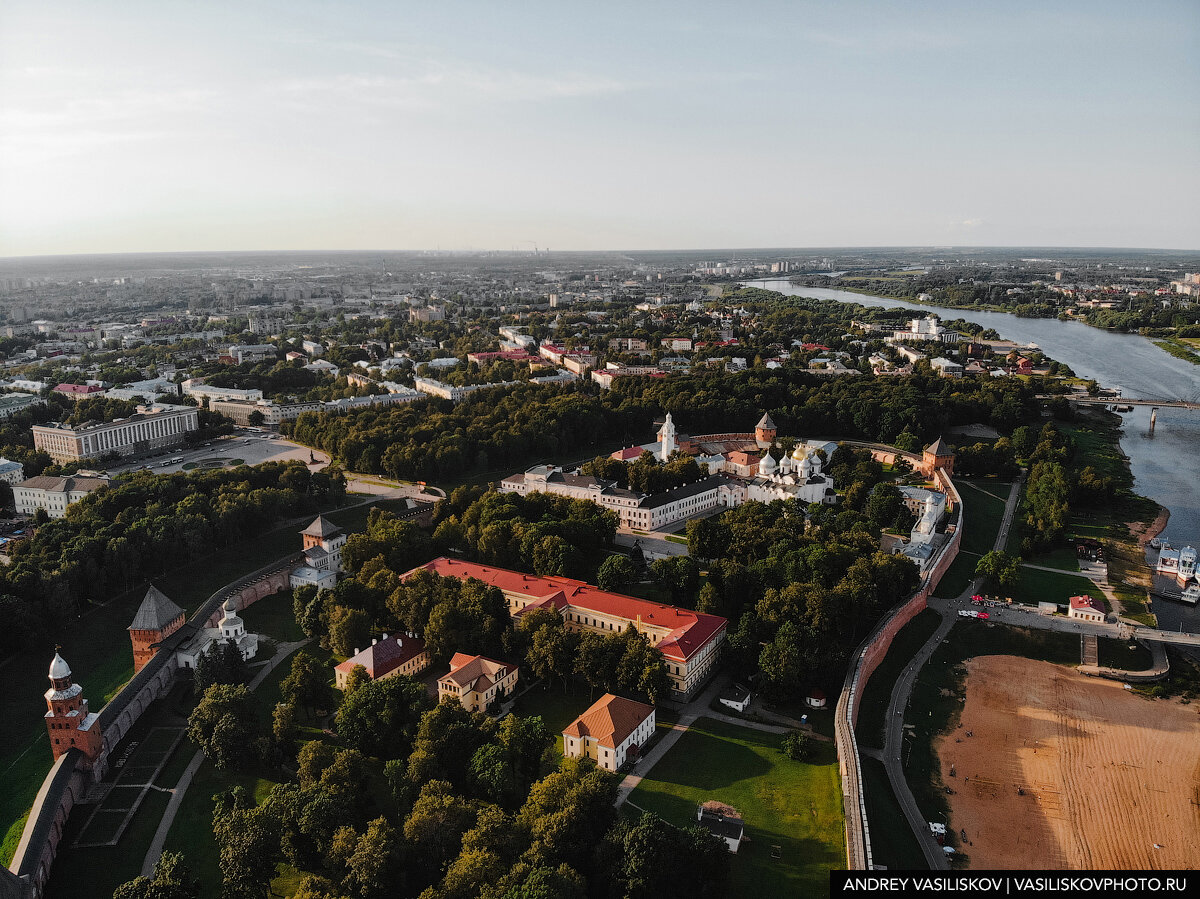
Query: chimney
356	650
384	637
373	641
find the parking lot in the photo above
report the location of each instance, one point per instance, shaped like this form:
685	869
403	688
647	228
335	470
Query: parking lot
249	445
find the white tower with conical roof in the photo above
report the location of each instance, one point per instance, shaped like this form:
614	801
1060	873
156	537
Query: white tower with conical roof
68	721
666	438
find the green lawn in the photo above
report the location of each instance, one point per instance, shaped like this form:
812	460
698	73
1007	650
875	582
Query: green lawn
1036	586
556	708
272	615
958	576
794	805
893	843
983	513
874	699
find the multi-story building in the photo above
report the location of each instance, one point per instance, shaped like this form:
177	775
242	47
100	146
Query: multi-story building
612	731
197	388
52	493
689	641
477	681
12	403
79	391
11	472
635	510
256	352
140	433
387	657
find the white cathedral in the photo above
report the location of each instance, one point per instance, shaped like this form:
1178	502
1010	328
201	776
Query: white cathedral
799	476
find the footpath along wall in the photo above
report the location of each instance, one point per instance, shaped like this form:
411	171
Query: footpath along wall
865	660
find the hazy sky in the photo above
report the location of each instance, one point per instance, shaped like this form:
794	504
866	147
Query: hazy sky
134	126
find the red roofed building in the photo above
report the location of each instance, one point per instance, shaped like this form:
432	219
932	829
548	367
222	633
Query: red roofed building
388	657
611	731
1086	608
78	391
477	681
689	641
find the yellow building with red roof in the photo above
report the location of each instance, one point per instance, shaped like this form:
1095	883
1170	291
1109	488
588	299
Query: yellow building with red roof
689	641
612	731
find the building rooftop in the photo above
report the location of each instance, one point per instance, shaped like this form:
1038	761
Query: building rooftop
322	528
63	484
939	447
155	612
1087	602
385	656
610	720
477	673
688	631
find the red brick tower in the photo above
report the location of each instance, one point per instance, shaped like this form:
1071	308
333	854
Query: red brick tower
937	455
156	619
764	431
68	721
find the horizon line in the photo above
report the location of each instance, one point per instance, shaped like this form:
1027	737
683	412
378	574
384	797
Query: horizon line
518	252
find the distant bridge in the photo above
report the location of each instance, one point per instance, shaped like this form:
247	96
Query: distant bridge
1120	401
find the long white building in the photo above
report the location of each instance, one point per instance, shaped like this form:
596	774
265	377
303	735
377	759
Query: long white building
53	494
140	433
635	510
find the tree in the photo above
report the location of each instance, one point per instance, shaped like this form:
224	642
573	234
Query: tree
307	683
283	727
256	418
680	575
171	880
380	718
355	679
221	663
435	826
552	652
649	858
999	568
225	724
249	842
799	746
615	573
349	630
373	870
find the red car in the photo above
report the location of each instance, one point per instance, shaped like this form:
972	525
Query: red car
982	615
977	599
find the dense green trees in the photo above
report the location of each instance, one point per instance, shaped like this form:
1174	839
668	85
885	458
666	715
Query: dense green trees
144	524
380	718
227	726
434	440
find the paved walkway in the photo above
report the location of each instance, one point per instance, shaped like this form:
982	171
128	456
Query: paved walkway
155	851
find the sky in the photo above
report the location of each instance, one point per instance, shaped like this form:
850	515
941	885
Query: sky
169	126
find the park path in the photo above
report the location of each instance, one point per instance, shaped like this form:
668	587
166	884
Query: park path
185	780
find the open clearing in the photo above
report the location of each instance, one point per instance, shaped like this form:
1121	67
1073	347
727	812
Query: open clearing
1106	774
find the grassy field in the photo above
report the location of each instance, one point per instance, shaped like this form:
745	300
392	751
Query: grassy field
892	841
983	513
874	700
983	510
794	805
1036	586
97	647
936	701
958	576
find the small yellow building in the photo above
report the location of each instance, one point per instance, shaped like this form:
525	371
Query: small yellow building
477	681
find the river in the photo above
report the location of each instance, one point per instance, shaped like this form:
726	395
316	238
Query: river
1164	466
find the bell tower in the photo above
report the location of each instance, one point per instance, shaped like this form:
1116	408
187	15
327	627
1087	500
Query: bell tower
68	721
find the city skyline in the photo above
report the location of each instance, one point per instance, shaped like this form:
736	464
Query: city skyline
159	128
